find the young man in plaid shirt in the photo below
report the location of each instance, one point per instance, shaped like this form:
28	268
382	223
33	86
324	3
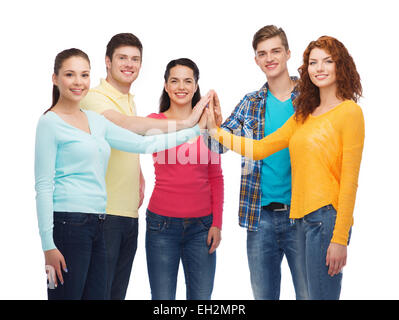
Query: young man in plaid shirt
265	192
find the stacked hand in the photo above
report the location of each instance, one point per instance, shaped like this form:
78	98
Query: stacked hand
210	117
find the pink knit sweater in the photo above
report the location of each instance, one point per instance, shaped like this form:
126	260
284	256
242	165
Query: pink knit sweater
188	181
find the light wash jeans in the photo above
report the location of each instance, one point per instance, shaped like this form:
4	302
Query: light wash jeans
315	231
276	236
169	240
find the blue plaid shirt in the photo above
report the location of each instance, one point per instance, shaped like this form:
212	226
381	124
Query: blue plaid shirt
248	119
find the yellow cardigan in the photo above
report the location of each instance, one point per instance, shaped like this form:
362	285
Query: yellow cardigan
325	153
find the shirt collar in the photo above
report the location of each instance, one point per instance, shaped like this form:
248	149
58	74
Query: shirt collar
262	93
113	91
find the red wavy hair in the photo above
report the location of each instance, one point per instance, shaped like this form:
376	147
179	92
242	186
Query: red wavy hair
348	79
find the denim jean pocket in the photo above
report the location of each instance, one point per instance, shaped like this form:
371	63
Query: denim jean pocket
206	222
71	218
155	222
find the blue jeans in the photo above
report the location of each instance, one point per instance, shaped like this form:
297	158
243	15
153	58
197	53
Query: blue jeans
167	241
80	239
120	235
276	236
315	231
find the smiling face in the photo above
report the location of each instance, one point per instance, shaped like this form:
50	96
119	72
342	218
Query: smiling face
124	67
272	57
73	78
321	68
181	85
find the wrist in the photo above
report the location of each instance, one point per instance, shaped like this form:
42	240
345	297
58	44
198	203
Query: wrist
212	131
183	124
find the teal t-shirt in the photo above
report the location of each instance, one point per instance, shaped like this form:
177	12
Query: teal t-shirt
276	169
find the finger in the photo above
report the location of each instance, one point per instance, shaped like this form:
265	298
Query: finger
215	243
209	239
216	99
58	275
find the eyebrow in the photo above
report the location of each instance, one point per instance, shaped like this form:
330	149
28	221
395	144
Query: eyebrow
326	58
125	55
75	71
277	48
176	78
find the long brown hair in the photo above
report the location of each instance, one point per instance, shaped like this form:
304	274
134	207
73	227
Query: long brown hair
59	60
348	79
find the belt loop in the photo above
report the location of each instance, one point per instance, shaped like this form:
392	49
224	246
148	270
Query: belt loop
101	216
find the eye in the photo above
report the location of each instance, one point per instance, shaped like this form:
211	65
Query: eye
68	74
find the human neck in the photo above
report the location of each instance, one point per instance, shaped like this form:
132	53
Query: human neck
328	97
123	88
67	106
178	112
281	86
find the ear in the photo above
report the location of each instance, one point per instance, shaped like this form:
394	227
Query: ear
107	63
164	86
288	54
256	60
54	79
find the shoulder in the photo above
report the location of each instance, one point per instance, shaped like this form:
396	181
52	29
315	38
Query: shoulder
95	94
47	121
252	96
94	116
352	109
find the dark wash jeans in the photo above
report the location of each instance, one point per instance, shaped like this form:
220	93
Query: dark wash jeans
121	243
80	239
170	239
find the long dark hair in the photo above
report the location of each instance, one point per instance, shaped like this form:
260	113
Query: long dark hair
164	101
59	60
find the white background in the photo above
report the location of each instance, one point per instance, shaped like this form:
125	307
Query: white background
217	35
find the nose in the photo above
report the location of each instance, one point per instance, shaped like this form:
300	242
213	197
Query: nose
269	57
180	84
77	80
320	66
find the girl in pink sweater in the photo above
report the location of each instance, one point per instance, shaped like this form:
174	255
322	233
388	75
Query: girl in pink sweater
184	216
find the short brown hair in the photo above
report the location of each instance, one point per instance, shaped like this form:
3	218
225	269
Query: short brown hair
268	32
120	40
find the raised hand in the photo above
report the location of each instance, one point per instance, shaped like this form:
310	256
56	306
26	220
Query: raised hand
217	110
197	111
211	122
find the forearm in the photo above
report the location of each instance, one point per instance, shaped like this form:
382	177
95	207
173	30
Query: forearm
128	141
250	148
145	125
347	195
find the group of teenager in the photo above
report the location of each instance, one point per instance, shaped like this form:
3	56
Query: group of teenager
301	143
